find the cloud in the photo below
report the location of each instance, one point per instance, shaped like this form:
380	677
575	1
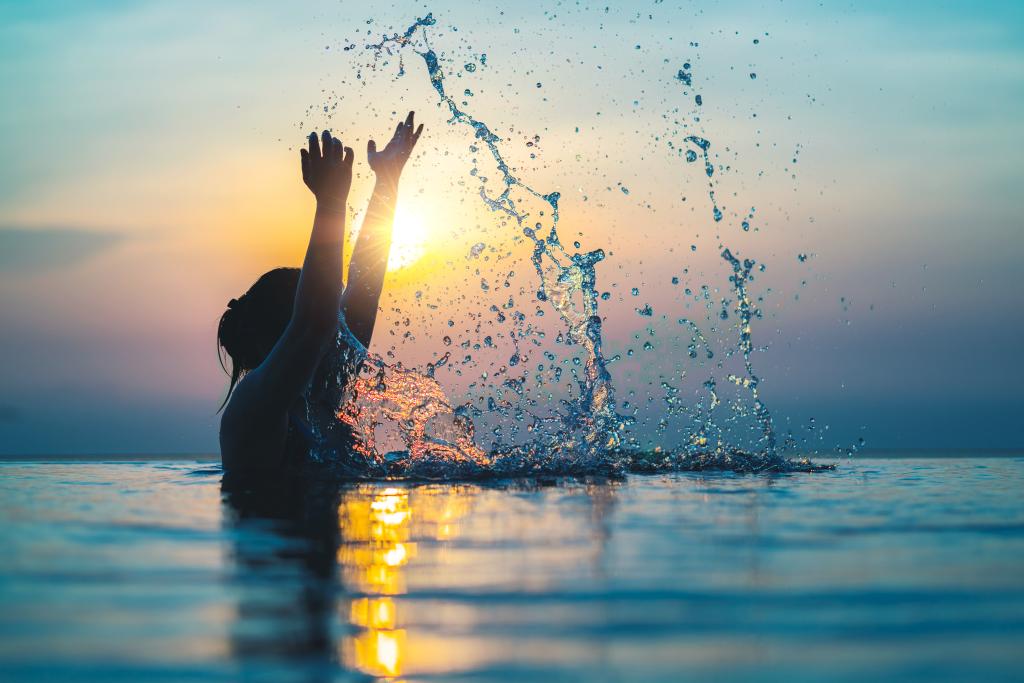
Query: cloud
39	249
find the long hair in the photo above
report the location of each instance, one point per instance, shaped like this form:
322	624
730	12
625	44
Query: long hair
254	322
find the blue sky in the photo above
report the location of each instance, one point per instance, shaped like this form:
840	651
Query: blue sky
148	176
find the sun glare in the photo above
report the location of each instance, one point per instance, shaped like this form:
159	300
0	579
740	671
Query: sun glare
408	239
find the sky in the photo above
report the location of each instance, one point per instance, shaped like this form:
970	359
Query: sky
150	173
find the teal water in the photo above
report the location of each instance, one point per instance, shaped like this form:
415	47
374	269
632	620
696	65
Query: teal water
885	569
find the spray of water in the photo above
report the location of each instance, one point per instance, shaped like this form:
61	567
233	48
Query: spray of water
439	437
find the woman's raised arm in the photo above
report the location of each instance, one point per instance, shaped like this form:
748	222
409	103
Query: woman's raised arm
370	255
255	422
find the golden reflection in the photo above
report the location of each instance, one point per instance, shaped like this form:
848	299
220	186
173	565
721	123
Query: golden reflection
379	526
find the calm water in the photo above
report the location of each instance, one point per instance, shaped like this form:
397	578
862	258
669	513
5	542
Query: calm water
883	569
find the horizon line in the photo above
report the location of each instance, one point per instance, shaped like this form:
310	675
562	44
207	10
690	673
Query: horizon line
879	452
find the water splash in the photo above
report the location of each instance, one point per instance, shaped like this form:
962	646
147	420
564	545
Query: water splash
741	276
709	169
438	438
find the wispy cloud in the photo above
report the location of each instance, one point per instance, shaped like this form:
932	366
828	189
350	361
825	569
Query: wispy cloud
38	249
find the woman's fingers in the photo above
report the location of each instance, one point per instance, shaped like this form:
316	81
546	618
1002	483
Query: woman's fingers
350	156
314	148
305	164
416	135
410	122
371	148
324	148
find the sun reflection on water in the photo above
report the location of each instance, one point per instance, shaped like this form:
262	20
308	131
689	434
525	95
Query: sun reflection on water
378	525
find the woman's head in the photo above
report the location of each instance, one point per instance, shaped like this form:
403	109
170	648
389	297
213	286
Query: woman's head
254	322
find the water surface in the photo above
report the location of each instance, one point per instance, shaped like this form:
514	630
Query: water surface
907	569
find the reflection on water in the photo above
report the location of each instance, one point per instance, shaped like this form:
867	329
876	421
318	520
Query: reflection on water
352	552
377	525
375	546
286	579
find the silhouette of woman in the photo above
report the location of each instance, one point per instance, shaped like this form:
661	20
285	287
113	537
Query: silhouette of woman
280	334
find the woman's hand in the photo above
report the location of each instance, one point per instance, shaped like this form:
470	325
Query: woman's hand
327	172
388	163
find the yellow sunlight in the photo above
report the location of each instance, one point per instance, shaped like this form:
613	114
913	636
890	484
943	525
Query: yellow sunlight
408	239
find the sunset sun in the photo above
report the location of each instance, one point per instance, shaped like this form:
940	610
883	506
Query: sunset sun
408	239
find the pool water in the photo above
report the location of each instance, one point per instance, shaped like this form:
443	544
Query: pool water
888	569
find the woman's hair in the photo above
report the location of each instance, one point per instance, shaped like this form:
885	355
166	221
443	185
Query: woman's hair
254	322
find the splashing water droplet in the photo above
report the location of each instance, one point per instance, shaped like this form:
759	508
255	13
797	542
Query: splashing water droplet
439	435
590	427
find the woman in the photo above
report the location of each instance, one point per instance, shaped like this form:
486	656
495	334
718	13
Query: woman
277	333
